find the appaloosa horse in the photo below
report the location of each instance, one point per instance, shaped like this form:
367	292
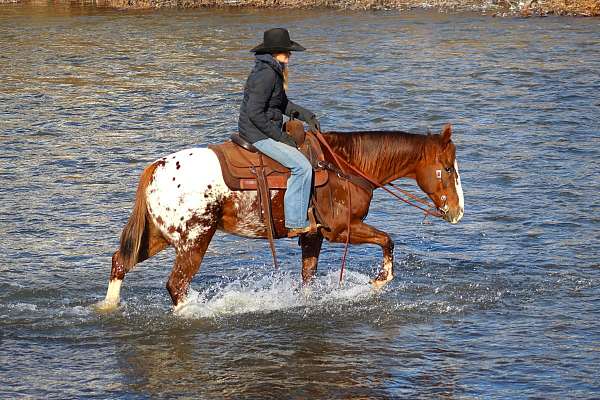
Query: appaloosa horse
182	200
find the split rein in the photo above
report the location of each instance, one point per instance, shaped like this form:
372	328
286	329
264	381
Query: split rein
351	177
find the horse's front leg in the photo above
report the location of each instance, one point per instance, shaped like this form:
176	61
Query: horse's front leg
363	233
311	248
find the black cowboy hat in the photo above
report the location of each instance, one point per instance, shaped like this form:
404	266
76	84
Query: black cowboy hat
277	39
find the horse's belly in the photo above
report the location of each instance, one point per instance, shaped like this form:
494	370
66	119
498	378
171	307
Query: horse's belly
241	215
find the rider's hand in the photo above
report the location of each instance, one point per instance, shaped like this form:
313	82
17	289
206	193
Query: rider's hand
314	124
287	139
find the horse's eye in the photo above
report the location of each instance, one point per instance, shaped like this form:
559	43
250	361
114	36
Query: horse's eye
449	169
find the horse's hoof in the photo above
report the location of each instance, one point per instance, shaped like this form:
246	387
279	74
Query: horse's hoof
306	291
181	305
379	283
106	306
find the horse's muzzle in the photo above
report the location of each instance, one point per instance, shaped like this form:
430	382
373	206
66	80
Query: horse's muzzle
452	216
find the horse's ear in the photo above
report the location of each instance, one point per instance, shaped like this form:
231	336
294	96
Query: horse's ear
446	134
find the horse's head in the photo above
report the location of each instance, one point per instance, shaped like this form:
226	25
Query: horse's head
437	175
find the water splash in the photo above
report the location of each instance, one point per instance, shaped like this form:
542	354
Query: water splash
276	292
22	307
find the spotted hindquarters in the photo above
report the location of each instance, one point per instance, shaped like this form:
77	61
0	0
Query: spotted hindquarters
185	195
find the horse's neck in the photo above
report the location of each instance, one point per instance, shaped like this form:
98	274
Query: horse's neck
384	156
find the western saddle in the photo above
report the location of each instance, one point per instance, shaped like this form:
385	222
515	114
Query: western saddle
241	162
245	168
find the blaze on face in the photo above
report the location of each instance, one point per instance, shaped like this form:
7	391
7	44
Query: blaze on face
438	176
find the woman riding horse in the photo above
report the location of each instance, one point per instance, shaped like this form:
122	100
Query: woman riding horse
182	199
261	119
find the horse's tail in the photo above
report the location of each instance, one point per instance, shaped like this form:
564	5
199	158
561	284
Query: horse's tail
133	233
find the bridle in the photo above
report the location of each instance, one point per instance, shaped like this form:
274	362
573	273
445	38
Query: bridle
438	174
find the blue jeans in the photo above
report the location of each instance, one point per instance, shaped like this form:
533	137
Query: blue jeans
297	194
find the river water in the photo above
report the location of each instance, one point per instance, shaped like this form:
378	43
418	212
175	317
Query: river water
505	304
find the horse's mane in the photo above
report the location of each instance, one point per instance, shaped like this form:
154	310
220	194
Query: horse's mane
378	151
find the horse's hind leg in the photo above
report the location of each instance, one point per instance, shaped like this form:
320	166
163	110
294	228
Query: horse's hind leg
152	242
311	248
187	262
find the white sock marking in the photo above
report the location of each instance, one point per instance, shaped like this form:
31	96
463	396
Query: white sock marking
113	292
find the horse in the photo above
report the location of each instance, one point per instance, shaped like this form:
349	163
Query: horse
182	200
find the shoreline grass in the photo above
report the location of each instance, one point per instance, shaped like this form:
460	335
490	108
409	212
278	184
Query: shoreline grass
524	8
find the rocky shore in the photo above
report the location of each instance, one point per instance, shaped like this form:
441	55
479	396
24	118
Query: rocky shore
524	8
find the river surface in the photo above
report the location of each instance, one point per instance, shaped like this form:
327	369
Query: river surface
505	304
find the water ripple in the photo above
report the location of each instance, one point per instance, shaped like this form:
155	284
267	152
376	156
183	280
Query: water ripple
503	305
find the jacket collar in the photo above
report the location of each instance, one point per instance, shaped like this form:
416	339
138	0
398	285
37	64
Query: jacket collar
271	62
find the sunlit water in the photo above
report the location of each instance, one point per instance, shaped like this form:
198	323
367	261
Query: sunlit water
504	305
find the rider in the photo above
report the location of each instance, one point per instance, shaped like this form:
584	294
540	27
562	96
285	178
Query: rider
261	119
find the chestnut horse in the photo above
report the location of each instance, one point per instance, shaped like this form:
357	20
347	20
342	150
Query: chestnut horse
182	200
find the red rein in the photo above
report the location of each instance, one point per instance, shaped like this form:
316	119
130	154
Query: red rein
340	163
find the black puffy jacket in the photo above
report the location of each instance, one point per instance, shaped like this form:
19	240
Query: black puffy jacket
265	102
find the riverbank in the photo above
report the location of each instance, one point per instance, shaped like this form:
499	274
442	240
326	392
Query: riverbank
524	8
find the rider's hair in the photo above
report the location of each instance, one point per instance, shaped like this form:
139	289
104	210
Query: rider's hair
285	78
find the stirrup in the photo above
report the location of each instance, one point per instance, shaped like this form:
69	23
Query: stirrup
312	228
